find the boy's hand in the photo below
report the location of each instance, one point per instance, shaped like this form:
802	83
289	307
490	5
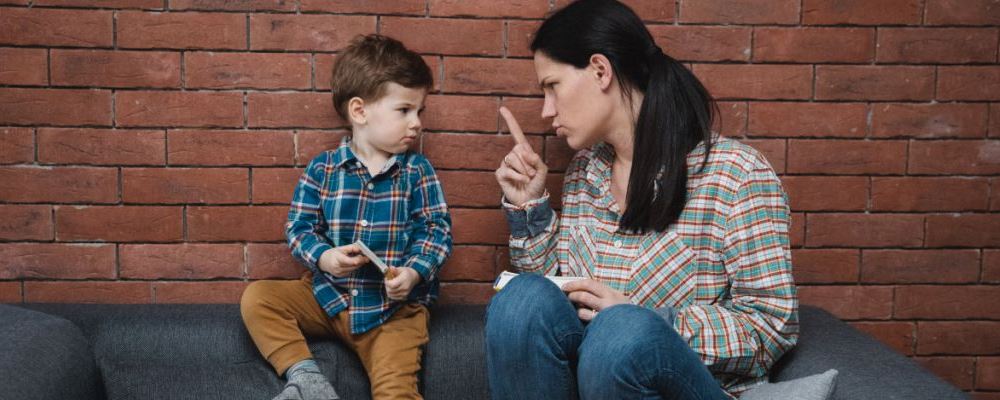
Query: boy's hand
399	287
341	261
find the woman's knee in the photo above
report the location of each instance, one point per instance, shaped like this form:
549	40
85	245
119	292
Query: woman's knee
626	337
526	301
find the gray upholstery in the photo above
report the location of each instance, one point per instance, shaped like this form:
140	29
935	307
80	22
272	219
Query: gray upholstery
203	351
44	357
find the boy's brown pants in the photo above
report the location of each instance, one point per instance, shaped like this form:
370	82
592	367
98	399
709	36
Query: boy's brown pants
280	314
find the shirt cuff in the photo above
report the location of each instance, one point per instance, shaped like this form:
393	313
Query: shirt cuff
530	219
316	253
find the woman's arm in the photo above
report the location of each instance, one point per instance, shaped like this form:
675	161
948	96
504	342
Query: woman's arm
746	333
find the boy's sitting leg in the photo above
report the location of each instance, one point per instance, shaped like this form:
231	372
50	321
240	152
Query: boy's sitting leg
278	315
391	353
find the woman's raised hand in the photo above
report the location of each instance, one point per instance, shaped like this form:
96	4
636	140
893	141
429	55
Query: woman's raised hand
522	172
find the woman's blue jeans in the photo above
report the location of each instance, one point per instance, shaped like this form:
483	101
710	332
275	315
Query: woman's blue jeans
537	348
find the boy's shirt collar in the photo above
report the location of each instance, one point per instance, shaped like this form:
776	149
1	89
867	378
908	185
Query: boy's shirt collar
344	157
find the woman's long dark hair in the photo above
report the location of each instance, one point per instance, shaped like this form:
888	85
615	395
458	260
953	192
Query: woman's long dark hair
677	112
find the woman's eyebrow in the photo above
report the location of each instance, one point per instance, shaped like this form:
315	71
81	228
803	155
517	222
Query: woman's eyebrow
543	82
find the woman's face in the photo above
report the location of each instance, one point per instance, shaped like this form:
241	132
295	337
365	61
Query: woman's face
575	101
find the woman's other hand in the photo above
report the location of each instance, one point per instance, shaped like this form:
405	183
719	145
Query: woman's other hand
591	297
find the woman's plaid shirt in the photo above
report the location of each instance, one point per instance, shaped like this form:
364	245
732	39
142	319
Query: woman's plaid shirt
725	266
400	214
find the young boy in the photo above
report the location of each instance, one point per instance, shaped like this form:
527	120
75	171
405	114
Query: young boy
370	189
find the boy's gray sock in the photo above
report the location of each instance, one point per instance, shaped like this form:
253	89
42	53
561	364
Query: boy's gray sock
305	382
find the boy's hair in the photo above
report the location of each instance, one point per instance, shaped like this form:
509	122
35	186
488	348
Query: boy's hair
371	61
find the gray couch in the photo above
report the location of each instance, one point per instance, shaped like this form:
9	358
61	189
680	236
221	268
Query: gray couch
150	352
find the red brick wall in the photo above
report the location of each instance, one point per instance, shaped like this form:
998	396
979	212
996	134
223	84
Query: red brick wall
148	148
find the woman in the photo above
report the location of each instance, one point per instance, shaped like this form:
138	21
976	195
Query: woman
682	235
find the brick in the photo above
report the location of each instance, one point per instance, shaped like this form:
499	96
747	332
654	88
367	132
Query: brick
850	302
247	70
487	8
528	111
311	144
303	32
558	154
765	82
17	145
23	66
25	222
119	223
470	188
147	4
122	69
958	337
797	231
48	27
969	83
865	82
846	157
279	110
101	146
88	292
272	261
814	45
919	266
323	71
236	224
826	265
187	30
462	151
963	230
479	226
466	293
995	194
76	185
991	266
461	113
703	42
480	37
773	150
793	119
519	37
943	157
229	5
901	336
929	194
936	45
55	107
938	120
945	302
732	118
826	193
861	12
740	11
179	109
963	12
410	7
554	184
994	120
57	261
228	148
475	263
648	10
988	373
985	395
490	75
185	185
865	230
10	292
955	370
181	261
198	292
274	185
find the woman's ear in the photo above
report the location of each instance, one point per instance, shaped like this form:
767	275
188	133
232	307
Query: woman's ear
356	111
600	66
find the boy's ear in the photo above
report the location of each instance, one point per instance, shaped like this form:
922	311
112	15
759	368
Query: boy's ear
356	111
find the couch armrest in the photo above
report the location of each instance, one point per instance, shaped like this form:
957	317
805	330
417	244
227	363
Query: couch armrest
868	369
45	357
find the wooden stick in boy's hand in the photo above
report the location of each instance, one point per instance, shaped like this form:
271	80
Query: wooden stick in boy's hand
522	172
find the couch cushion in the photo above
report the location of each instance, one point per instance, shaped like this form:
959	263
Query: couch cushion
45	357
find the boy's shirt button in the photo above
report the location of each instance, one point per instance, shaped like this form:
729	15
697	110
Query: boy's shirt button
371	186
364	223
354	292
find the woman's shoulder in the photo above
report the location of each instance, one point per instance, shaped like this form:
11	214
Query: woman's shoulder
729	156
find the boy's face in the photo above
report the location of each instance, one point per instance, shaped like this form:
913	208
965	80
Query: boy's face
393	122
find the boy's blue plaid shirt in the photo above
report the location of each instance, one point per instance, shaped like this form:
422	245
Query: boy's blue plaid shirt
400	214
